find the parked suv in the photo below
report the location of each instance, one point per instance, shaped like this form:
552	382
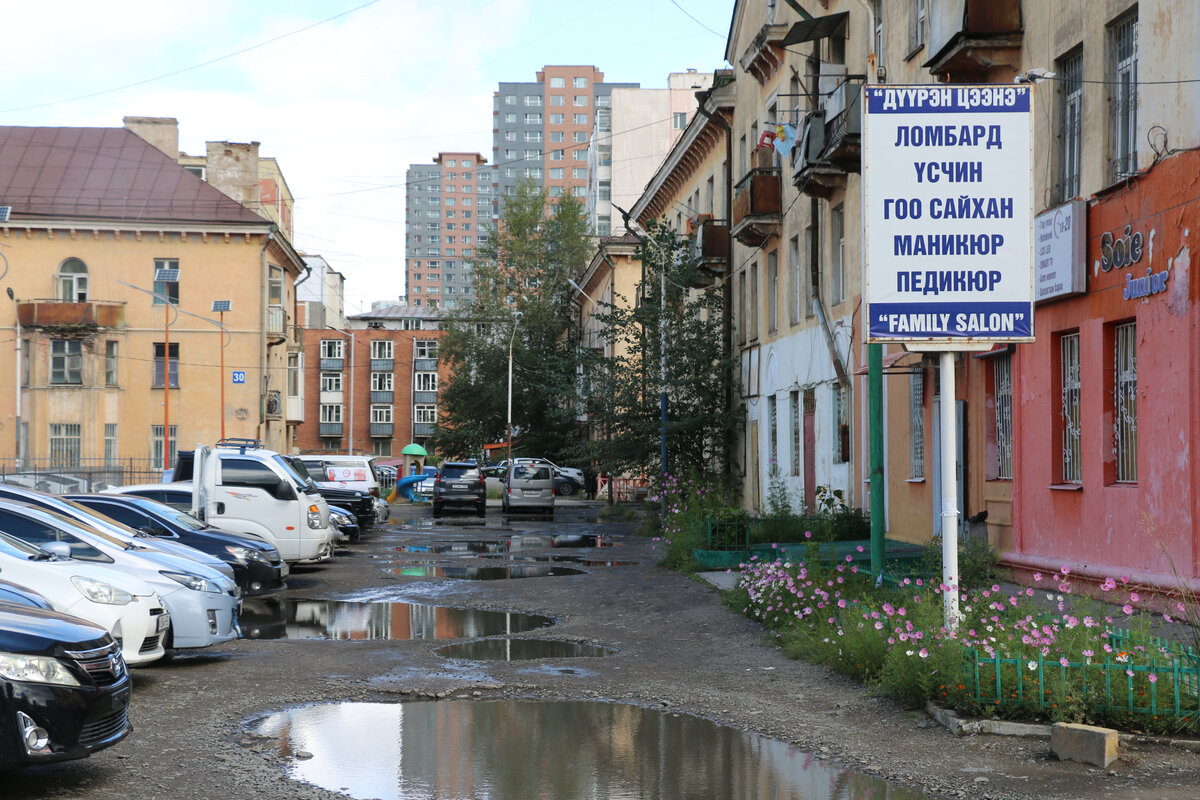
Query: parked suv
460	483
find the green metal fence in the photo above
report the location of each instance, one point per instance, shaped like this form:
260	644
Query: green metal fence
741	533
1168	684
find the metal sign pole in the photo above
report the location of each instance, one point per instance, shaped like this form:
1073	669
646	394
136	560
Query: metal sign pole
950	578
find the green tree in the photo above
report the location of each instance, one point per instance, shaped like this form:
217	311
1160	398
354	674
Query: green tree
672	336
521	295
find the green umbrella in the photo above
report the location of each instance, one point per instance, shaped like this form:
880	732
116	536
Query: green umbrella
414	450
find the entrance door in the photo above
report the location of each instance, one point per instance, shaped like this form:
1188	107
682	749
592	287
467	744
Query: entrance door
960	429
810	450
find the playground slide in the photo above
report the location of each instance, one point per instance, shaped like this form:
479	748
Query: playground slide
404	487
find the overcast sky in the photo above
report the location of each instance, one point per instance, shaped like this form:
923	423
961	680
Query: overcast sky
344	93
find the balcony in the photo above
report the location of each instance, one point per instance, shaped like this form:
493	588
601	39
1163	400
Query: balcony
424	365
423	429
329	429
295	339
756	206
382	429
276	324
829	143
382	365
424	397
295	408
970	38
710	249
332	364
52	315
382	397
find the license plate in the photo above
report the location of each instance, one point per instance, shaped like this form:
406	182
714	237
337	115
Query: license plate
531	492
458	486
164	622
119	700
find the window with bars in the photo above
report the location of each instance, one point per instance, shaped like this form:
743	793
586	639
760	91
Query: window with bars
66	442
156	444
1125	402
916	425
1070	124
1070	412
1002	383
110	443
1123	96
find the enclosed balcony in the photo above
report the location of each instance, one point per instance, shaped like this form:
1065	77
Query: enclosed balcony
381	429
710	249
757	205
829	142
54	315
329	429
970	38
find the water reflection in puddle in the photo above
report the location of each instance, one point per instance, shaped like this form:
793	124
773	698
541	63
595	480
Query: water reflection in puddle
275	618
572	750
472	573
521	650
515	543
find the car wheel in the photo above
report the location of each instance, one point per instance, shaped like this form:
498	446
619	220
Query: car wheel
437	509
481	510
568	488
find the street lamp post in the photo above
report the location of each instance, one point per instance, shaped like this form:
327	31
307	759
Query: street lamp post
512	336
221	306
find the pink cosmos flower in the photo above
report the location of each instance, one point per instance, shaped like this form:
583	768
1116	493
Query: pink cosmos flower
1153	678
1037	576
1133	597
1064	661
1128	609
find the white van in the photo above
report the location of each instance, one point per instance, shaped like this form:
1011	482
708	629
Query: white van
239	482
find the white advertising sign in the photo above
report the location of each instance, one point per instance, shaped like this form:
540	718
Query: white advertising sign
1058	235
947	201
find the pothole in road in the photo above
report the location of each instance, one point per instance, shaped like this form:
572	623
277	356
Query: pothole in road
486	573
275	618
517	749
516	543
509	649
587	562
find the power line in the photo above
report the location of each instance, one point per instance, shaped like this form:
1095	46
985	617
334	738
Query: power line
693	19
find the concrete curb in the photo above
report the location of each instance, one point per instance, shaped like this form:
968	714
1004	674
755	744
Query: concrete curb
959	727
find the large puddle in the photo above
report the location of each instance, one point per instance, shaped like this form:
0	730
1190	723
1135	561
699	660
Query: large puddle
486	573
275	618
563	750
521	650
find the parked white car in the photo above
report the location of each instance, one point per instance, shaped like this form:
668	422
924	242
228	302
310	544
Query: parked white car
203	603
126	607
343	472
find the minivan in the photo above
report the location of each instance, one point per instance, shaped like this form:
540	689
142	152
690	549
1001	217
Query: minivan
528	486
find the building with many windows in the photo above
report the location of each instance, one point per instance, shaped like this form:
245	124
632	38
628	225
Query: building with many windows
372	386
149	310
448	207
541	130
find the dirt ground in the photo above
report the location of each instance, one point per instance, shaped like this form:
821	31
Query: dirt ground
677	647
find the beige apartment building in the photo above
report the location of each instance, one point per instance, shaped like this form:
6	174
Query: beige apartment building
118	261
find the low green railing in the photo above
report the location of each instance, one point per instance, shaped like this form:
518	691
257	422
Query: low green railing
1169	684
743	532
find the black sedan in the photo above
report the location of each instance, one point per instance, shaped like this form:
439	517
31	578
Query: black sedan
257	566
64	689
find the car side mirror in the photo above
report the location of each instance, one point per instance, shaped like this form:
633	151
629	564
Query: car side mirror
284	491
60	549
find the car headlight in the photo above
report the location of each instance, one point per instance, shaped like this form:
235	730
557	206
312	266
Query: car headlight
101	592
193	582
314	516
244	554
35	669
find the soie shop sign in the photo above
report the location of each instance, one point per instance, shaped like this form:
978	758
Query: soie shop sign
948	213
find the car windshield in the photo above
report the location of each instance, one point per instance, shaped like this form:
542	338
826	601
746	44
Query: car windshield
315	470
298	474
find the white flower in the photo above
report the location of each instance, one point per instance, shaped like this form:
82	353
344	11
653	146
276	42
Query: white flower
1032	665
908	652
